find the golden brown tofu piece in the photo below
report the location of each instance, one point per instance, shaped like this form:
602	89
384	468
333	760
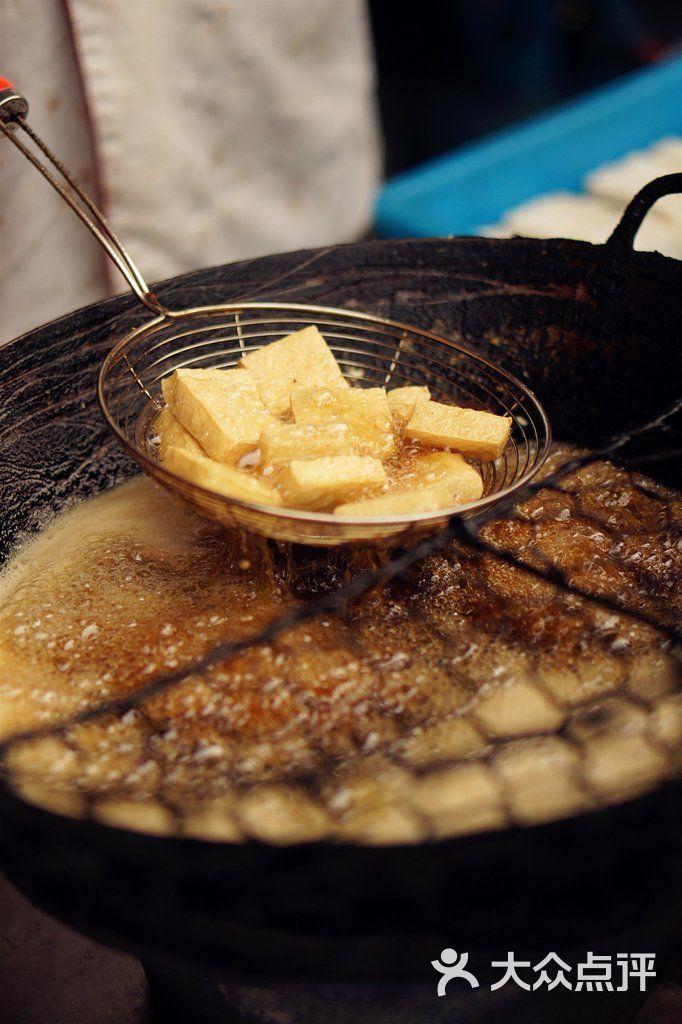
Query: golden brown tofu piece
323	483
399	503
454	477
222	409
435	480
481	435
401	401
215	476
172	434
168	383
285	442
365	410
300	358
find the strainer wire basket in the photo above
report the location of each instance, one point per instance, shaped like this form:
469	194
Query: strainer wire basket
370	350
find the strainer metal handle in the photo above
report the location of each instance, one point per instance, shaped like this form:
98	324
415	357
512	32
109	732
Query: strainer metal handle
13	111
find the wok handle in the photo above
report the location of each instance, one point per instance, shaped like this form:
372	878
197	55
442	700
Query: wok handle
623	235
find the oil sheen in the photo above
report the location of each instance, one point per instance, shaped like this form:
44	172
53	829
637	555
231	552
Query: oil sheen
468	696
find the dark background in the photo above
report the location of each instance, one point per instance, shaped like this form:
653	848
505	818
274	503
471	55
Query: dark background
451	70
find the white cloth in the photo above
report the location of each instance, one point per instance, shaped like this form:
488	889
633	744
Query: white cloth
213	130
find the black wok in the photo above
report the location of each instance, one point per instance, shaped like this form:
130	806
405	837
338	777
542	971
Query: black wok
595	330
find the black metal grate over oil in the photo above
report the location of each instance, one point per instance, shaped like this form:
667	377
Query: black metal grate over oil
517	667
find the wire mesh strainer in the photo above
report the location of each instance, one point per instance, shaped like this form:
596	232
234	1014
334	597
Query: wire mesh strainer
371	351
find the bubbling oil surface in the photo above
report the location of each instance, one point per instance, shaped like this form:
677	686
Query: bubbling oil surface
469	696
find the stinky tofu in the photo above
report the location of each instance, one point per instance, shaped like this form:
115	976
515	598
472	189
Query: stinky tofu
285	442
323	483
215	476
401	401
300	358
435	480
222	409
481	435
460	482
398	503
365	410
172	434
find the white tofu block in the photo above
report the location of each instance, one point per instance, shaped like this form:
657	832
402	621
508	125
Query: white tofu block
481	435
401	401
285	442
365	410
323	483
222	409
215	476
172	434
303	358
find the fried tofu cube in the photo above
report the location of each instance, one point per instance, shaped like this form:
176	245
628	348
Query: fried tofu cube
401	401
215	476
459	482
365	410
286	442
323	483
222	409
481	435
399	503
168	383
172	434
434	480
297	359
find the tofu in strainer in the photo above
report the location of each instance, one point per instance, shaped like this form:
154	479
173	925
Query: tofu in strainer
286	442
323	483
303	358
481	435
401	401
225	480
435	480
365	410
400	503
452	474
222	409
173	435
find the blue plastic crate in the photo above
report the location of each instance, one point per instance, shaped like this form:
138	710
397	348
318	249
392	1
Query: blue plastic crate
473	186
